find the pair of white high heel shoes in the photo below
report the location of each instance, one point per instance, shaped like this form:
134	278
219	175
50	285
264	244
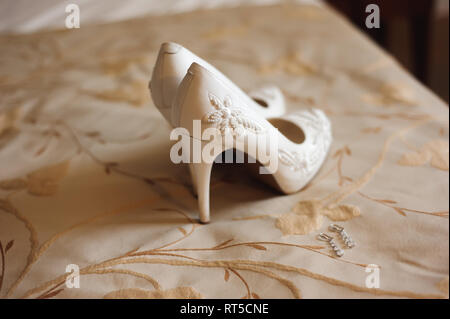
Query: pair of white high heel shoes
186	88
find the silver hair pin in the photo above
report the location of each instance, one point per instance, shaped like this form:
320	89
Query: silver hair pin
339	252
348	241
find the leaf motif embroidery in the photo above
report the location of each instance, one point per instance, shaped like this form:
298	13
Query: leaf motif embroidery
51	294
307	216
342	212
255	296
226	277
9	245
435	152
226	242
44	181
256	246
13	184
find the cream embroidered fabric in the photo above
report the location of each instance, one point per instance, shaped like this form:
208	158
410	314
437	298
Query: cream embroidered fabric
85	175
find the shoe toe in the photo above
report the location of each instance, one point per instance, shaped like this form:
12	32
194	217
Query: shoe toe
170	47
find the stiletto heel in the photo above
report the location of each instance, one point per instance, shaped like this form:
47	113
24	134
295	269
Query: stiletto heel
200	170
193	179
201	176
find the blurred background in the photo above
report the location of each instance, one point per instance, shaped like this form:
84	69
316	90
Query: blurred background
414	31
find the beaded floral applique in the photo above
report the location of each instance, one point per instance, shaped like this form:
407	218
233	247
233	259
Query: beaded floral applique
229	119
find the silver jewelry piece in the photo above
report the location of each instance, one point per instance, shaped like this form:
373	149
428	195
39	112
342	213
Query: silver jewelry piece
348	241
339	252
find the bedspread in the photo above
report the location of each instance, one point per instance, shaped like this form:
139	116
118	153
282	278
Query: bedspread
86	183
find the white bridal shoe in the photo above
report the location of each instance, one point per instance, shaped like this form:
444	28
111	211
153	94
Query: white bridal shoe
205	103
170	68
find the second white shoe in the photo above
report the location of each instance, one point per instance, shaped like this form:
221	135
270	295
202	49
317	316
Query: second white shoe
170	68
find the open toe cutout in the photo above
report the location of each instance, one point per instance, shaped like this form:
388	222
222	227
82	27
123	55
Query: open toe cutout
289	130
261	102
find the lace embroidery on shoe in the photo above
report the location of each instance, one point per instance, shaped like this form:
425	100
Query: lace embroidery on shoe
229	119
320	128
320	135
294	160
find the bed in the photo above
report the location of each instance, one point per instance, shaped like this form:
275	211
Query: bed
87	186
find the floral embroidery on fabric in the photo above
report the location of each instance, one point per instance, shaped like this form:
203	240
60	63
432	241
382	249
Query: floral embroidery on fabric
435	152
307	216
82	179
136	293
